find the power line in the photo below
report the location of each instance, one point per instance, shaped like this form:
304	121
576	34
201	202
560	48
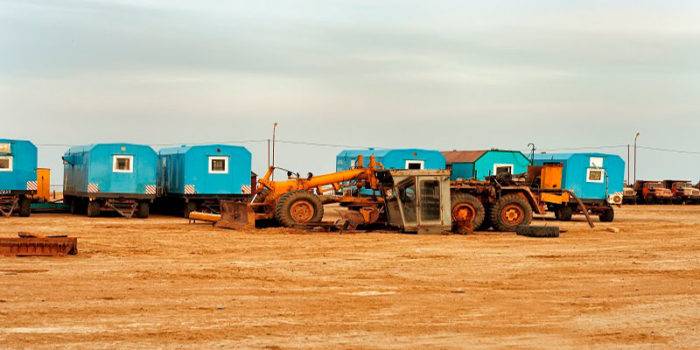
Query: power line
668	150
325	144
583	148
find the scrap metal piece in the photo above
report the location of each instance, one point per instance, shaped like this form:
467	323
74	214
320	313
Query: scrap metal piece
26	245
201	216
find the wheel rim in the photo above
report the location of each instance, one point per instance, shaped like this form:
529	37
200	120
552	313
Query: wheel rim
302	211
463	213
512	214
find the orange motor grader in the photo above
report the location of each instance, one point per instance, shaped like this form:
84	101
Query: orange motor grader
411	200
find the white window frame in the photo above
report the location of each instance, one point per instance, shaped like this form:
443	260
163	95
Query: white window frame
414	161
10	165
226	162
114	163
496	166
596	162
602	175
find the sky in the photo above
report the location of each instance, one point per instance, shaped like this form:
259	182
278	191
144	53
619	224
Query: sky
393	73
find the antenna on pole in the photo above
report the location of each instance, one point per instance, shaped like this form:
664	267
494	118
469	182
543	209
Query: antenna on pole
532	152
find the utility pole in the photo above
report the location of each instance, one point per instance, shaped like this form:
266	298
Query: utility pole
268	153
274	131
628	164
635	155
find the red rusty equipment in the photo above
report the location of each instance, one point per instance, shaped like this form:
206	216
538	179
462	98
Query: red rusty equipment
37	245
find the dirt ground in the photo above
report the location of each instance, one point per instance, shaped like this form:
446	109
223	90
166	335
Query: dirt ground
163	283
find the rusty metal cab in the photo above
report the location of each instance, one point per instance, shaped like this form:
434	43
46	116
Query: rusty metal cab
417	201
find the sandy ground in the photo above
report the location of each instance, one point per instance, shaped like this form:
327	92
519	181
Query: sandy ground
165	283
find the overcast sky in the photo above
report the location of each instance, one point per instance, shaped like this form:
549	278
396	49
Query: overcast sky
390	73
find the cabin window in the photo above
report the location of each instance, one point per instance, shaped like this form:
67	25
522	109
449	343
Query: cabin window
6	163
218	165
596	162
123	164
415	164
499	169
596	175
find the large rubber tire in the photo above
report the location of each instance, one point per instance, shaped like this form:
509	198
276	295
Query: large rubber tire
93	209
565	213
607	216
470	206
511	211
538	231
25	207
143	209
299	207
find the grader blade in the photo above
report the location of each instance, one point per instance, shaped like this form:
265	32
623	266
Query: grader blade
236	216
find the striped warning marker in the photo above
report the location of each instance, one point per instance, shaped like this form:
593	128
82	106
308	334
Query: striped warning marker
150	189
189	189
93	188
245	189
32	186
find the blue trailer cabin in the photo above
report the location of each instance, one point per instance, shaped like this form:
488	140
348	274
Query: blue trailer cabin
479	164
18	163
409	158
198	177
110	176
591	176
595	178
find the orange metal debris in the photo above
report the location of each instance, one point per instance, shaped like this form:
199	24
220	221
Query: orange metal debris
33	245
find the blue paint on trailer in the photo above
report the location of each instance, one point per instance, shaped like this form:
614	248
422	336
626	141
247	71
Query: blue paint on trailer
18	162
409	158
591	176
110	169
468	165
205	170
110	176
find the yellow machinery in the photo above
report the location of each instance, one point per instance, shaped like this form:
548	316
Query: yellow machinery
43	181
411	200
292	202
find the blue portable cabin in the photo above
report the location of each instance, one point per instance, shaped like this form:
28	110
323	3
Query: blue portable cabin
18	162
110	176
201	175
408	158
593	177
477	165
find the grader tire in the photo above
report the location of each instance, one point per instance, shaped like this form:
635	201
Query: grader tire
538	231
466	204
297	208
509	212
